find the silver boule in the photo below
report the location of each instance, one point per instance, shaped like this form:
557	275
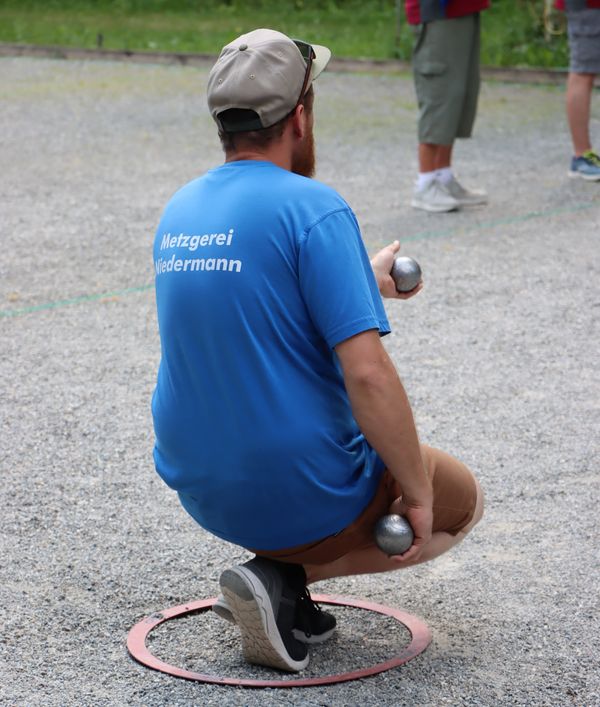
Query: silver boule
393	534
406	273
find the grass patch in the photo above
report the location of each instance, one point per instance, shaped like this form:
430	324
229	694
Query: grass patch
512	30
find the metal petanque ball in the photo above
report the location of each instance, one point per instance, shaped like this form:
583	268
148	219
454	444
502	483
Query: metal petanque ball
393	534
406	273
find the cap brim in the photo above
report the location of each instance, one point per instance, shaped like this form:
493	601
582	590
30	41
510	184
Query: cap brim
322	57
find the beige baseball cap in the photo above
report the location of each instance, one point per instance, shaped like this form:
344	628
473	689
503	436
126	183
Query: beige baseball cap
260	77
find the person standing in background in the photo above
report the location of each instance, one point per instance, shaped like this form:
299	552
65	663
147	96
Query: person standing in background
583	24
446	75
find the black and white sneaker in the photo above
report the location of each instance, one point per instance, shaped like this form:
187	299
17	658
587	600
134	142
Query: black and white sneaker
311	623
262	596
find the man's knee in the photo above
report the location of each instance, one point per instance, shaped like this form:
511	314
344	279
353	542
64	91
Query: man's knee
478	509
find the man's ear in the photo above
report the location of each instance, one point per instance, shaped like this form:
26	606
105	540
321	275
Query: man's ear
299	121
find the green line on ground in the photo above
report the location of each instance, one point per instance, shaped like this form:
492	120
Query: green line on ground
75	300
489	225
486	226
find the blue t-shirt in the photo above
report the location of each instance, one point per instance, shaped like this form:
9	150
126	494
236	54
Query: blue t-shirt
260	273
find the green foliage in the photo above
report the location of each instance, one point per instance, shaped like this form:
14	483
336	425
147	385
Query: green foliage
513	31
202	6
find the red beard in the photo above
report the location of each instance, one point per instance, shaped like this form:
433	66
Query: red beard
304	161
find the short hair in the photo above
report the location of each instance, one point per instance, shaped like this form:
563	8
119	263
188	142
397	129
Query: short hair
261	139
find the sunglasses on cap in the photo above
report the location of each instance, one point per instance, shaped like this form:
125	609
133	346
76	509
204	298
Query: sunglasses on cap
308	54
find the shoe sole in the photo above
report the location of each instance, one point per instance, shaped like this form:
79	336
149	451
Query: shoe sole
250	606
223	612
433	209
587	177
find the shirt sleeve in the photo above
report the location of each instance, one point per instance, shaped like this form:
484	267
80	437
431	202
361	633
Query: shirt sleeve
337	281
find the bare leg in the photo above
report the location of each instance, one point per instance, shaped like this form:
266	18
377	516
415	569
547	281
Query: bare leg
432	157
371	560
579	96
443	157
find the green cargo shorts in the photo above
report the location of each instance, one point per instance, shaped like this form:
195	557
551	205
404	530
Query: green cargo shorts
446	75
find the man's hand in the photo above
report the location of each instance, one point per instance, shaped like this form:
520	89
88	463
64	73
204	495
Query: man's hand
420	519
382	263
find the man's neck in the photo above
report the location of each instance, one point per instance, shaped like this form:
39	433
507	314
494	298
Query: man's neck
277	154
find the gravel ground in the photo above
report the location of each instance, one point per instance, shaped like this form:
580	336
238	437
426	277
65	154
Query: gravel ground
499	355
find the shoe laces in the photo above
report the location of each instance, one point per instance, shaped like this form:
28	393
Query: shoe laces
592	157
306	610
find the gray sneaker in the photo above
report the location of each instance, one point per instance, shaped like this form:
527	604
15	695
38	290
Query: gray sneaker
262	595
434	198
466	197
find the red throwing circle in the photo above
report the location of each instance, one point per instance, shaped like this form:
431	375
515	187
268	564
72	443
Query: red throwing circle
136	645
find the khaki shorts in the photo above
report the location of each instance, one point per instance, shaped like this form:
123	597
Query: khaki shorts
446	76
454	499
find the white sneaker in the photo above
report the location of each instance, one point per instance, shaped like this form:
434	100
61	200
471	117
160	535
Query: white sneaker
466	197
435	198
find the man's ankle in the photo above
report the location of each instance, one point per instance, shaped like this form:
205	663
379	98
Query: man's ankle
424	179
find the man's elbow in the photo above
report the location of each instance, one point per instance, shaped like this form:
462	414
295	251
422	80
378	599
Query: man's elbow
374	376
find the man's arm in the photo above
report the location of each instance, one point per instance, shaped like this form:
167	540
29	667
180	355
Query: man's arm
382	410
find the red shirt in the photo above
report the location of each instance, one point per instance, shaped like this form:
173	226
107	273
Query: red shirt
418	11
560	4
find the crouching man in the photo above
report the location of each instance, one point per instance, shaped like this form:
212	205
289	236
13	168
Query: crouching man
279	417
